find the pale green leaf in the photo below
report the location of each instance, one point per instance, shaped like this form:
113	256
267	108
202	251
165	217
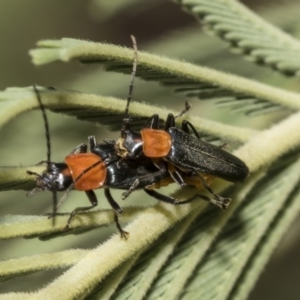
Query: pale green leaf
220	269
192	248
189	78
41	226
109	111
209	246
264	250
102	260
30	264
148	264
249	33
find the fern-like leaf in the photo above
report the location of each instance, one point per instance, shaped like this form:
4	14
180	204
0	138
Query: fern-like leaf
102	260
204	82
248	33
241	236
184	252
109	111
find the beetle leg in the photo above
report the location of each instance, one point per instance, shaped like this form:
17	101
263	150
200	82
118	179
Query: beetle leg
115	206
44	161
175	175
143	179
219	200
81	148
170	122
54	213
185	125
35	174
174	201
109	158
152	122
92	198
117	210
162	197
173	172
132	188
124	234
92	143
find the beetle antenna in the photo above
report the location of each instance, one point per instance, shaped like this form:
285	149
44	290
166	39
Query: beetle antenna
47	131
187	106
46	123
134	67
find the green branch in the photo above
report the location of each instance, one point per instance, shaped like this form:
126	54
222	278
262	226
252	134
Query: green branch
164	241
103	259
109	111
166	70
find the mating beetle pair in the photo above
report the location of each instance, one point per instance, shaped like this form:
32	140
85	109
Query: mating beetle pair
101	168
140	160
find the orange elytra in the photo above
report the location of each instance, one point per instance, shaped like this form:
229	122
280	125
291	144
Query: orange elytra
93	178
156	143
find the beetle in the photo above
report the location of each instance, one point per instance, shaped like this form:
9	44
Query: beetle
187	152
101	168
87	171
179	147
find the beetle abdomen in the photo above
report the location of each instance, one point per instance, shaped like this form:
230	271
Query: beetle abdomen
190	153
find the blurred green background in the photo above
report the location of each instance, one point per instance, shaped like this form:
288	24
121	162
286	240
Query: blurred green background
160	27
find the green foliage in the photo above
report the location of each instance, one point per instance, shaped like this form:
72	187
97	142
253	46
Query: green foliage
193	251
248	33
